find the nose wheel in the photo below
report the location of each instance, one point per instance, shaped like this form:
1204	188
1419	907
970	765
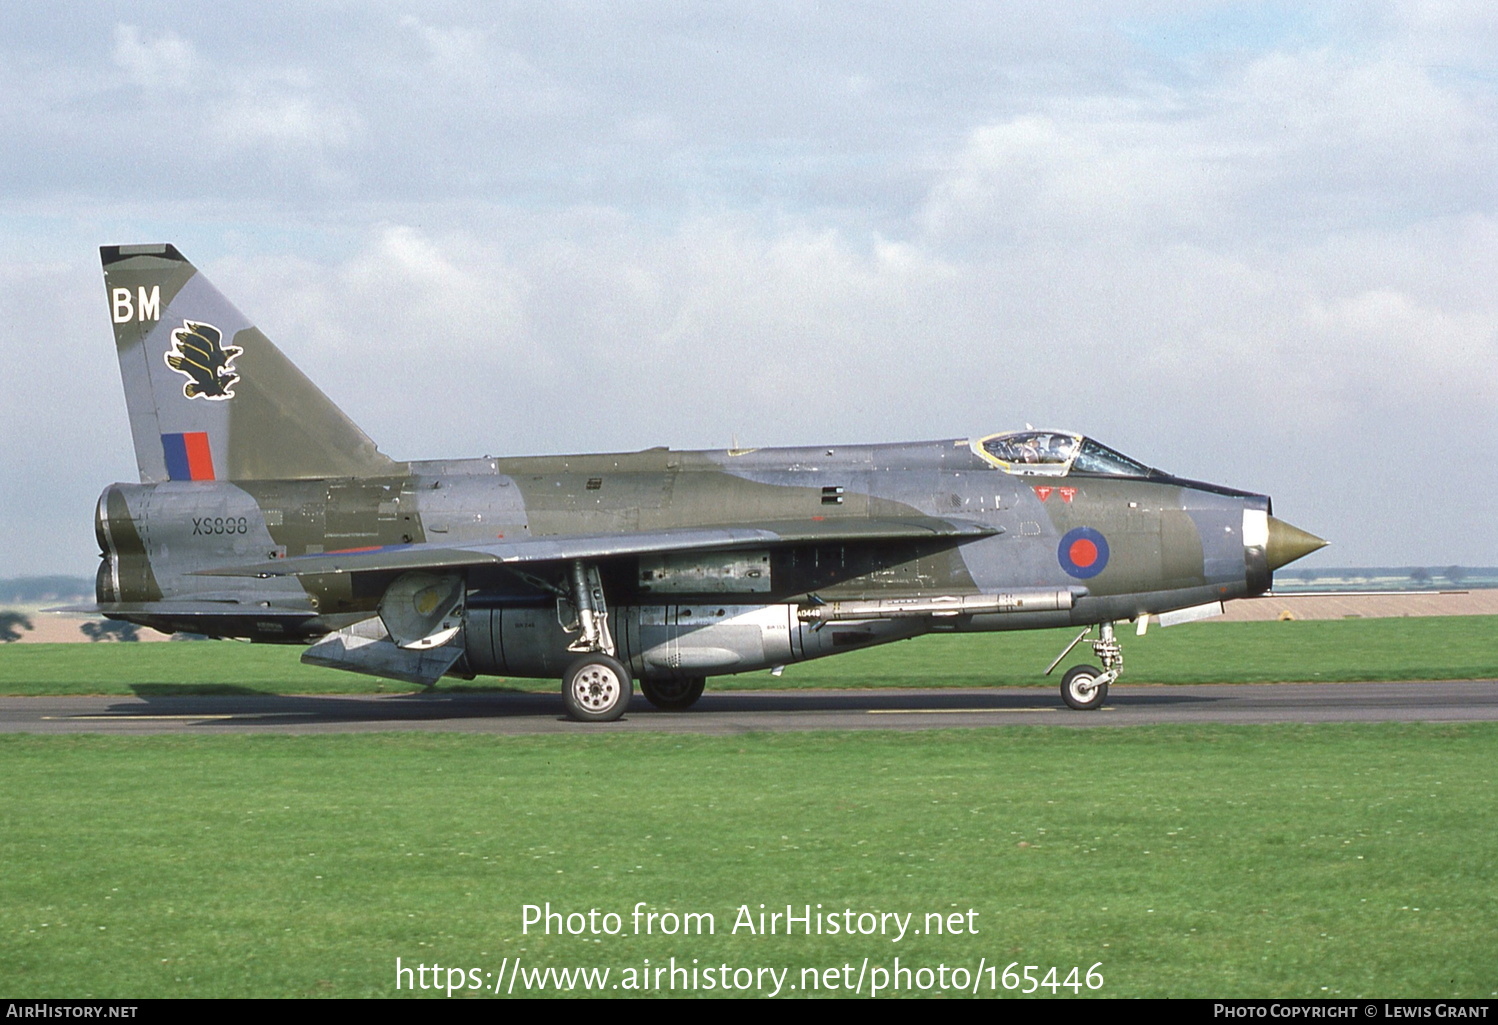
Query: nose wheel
1084	688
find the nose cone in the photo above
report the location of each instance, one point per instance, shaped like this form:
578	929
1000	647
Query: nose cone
1287	543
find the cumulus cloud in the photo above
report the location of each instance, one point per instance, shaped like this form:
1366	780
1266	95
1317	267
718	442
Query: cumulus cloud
281	112
453	53
1288	145
165	61
1037	177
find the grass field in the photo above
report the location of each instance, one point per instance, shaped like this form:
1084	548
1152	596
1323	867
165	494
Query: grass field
1228	861
1353	860
1437	648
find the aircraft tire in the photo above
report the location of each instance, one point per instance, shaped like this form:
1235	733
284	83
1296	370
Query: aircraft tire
673	695
596	688
1077	688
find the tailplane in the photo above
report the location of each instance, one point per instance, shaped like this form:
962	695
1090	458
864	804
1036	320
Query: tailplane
209	396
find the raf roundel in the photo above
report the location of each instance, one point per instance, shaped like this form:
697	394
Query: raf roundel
1083	552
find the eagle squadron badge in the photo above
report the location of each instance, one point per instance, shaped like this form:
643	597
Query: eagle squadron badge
198	353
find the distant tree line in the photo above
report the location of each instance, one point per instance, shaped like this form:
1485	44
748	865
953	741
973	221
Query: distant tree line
1454	574
29	590
12	624
109	630
1421	575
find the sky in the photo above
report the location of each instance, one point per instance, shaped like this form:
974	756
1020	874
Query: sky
1245	243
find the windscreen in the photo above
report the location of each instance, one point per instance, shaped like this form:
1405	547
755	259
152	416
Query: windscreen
1095	458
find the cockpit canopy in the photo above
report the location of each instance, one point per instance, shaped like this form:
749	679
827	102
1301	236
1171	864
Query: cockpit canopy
1054	454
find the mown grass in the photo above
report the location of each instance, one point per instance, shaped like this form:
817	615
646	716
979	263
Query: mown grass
1436	648
1350	860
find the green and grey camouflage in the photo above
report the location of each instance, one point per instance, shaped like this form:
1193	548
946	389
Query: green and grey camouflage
263	512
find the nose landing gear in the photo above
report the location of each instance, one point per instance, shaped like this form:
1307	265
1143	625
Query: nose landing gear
1086	687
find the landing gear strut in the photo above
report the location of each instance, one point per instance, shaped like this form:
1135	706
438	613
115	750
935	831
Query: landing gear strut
1086	687
597	687
592	613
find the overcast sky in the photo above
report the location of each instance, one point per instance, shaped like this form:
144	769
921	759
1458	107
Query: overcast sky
1250	244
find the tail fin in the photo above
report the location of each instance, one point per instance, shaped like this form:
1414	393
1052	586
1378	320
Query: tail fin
209	396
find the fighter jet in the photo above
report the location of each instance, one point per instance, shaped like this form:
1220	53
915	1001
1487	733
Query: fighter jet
264	513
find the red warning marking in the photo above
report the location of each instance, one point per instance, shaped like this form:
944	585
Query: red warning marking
1043	493
1067	494
1082	552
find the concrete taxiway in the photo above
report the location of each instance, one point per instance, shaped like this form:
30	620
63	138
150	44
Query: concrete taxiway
736	712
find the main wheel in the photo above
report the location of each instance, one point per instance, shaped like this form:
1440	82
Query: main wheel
673	695
1081	690
597	688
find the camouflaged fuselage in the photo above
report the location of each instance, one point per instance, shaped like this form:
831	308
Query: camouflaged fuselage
1166	543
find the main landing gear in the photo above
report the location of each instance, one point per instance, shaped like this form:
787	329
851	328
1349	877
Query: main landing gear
1086	687
596	687
673	695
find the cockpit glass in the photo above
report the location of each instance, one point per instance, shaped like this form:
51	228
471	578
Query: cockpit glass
1055	454
1033	448
1043	453
1096	458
